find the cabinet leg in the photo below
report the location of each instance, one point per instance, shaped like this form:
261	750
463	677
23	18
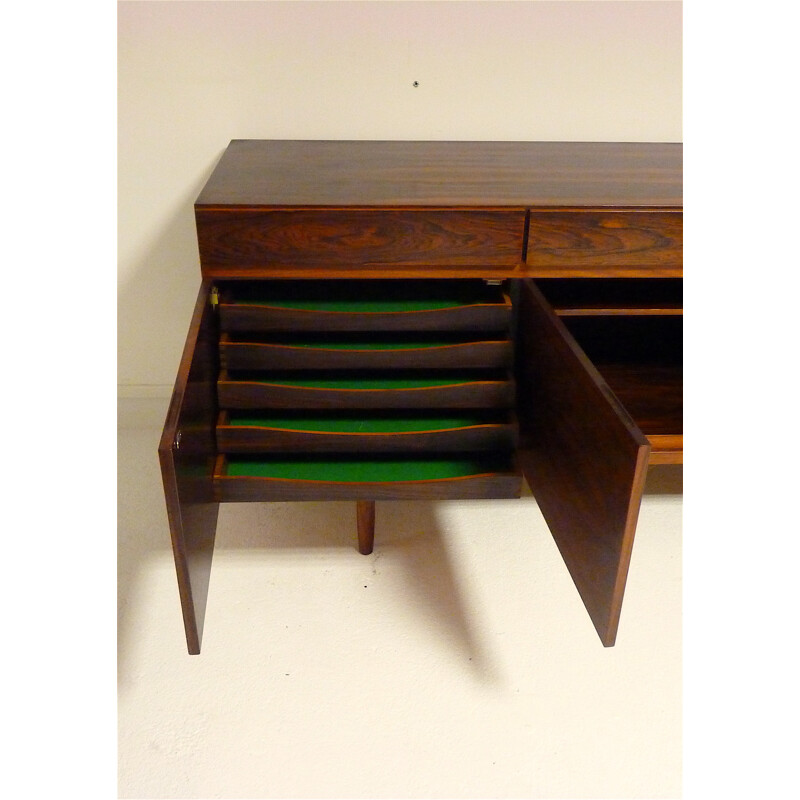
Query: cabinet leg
365	513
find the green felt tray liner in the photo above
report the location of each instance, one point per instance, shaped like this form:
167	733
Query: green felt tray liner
367	299
359	424
358	470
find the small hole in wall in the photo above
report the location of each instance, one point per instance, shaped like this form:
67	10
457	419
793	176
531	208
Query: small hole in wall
415	84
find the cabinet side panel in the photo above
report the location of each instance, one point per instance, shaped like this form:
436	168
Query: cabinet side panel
583	457
187	453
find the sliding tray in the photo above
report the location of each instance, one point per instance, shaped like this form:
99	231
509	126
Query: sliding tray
364	432
366	390
358	306
363	351
355	477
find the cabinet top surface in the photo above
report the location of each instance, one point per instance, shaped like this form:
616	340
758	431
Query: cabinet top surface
284	173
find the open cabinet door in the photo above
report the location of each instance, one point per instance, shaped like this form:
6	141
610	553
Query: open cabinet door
187	452
584	458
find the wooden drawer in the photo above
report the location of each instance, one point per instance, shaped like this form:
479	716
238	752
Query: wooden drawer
364	432
365	352
375	390
607	243
360	306
261	478
242	241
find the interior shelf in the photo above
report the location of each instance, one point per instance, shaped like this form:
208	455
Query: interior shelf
641	359
576	297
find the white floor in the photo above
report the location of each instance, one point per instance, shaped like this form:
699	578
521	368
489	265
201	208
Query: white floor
455	661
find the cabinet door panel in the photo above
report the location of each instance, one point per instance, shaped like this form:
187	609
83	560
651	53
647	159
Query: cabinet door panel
187	455
583	457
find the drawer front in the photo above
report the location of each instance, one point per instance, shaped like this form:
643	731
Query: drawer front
359	392
241	242
605	243
361	432
243	355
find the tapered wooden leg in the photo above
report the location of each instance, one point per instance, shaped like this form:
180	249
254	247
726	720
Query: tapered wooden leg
365	512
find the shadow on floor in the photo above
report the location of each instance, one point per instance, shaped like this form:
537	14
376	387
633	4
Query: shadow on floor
664	479
408	537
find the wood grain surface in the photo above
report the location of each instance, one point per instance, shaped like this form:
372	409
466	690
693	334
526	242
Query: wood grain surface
286	173
587	242
237	241
584	459
187	453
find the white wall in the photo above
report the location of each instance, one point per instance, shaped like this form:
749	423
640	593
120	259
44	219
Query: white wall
193	75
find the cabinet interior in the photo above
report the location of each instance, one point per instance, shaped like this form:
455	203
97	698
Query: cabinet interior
354	382
397	372
632	332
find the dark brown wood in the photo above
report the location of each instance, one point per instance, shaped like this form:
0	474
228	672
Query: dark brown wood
419	211
587	242
241	317
238	240
491	435
187	454
446	174
251	355
365	517
616	311
483	392
651	393
238	313
640	357
575	297
584	459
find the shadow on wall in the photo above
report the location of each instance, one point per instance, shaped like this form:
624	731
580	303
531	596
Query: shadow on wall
156	294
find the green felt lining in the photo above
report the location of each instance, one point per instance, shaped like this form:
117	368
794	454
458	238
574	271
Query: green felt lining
359	470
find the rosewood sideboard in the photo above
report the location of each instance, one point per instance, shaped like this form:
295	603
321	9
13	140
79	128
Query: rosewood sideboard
432	320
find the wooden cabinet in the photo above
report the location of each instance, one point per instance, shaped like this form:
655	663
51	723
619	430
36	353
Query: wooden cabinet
400	320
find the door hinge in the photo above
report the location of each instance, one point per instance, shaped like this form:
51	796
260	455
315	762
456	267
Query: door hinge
214	297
